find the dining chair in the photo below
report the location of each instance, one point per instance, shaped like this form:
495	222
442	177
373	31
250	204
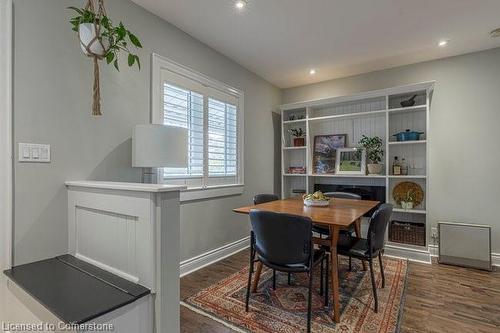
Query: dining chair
283	242
260	199
263	198
371	247
322	231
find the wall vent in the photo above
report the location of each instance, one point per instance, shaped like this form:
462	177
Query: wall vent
467	245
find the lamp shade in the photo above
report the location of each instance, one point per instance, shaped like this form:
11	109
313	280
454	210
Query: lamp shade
159	146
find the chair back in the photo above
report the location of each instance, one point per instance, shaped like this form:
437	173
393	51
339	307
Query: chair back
378	226
282	239
263	198
343	195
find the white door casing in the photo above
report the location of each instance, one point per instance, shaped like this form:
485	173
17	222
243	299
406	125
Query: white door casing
5	134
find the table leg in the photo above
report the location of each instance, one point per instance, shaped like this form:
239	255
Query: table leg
334	235
357	229
257	277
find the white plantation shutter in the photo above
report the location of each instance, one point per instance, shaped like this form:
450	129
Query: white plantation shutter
184	108
222	138
211	113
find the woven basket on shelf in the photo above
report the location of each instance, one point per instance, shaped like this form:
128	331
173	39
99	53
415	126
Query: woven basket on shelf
407	233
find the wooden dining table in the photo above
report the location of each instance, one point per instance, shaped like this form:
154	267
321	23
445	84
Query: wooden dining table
339	214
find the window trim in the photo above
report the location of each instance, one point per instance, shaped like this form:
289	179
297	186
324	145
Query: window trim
159	63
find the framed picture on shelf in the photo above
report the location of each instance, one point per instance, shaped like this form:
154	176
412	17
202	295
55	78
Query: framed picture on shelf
324	152
351	161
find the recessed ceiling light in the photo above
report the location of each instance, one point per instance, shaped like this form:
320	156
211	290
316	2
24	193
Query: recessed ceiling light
443	42
312	71
240	4
495	33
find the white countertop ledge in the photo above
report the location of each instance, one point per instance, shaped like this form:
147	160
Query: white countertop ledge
138	187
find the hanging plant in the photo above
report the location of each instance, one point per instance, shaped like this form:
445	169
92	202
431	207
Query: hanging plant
100	39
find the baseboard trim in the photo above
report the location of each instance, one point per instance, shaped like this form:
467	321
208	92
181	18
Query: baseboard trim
495	257
190	265
401	252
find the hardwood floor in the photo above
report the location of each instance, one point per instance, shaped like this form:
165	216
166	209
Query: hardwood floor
439	298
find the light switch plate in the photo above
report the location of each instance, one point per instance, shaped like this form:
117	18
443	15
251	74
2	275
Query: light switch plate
34	153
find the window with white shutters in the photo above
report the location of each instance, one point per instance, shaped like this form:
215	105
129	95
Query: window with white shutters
212	113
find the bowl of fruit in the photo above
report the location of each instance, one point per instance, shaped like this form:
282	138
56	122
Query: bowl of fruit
316	199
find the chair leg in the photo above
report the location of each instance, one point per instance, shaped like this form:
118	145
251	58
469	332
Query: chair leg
381	269
289	279
321	277
309	301
274	279
327	282
350	263
249	282
374	286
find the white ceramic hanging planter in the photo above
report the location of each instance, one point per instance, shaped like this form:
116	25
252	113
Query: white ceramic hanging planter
88	40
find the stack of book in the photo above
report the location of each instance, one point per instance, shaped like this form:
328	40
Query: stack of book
297	170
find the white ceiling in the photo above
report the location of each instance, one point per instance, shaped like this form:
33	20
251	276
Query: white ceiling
281	40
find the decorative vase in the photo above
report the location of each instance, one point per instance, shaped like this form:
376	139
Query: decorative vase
299	142
88	40
375	169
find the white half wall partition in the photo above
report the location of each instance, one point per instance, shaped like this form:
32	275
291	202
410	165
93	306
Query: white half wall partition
131	230
5	134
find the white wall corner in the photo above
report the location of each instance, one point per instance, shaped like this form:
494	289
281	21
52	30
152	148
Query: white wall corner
5	133
190	265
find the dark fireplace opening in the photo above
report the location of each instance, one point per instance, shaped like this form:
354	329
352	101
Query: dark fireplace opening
367	192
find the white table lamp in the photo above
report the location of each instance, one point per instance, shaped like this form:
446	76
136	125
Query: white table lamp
159	146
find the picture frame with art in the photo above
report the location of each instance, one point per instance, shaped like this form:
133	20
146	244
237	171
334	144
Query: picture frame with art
325	152
350	161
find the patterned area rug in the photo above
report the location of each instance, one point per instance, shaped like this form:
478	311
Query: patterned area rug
285	310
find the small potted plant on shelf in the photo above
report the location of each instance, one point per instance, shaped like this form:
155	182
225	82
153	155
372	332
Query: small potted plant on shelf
407	202
374	153
298	137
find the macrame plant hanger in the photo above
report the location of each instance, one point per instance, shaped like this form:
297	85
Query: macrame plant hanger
101	12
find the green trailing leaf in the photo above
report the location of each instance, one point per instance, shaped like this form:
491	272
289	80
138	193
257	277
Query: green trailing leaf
78	10
134	39
138	61
110	57
131	60
116	65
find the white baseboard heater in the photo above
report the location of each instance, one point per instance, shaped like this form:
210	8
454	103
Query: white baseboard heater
467	245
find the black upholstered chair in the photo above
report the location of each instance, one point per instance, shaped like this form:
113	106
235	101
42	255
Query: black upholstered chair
263	198
371	247
260	199
283	243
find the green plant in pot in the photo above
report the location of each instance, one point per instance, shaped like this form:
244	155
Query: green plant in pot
100	39
298	137
408	201
374	153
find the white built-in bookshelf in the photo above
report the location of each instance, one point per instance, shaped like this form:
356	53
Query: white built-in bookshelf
374	113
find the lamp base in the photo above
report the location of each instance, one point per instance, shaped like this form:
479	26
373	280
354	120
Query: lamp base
149	176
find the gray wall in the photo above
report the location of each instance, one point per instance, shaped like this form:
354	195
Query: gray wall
52	82
464	181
